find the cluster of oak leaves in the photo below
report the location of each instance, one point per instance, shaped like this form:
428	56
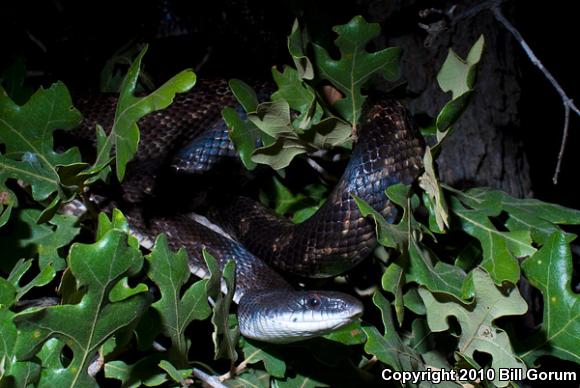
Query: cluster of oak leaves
109	325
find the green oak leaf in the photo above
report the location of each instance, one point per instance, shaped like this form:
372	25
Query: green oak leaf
177	307
283	144
393	281
253	378
421	339
298	205
458	77
439	277
388	235
417	264
245	94
243	134
8	334
550	270
118	221
279	154
50	354
413	301
430	183
29	238
328	133
500	249
478	331
286	145
13	373
356	65
8	292
123	290
299	381
124	135
541	218
143	372
485	200
87	325
254	352
44	277
388	347
450	112
351	334
300	96
285	202
395	236
297	42
273	118
282	136
176	375
225	337
26	133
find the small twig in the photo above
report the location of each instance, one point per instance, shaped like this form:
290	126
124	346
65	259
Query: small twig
495	7
566	101
36	41
204	60
319	169
212	381
477	8
96	366
235	371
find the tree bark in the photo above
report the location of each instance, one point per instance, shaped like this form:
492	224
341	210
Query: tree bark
485	148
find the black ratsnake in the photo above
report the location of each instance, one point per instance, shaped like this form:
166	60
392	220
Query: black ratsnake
190	135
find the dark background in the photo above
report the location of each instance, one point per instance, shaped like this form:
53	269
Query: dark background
72	40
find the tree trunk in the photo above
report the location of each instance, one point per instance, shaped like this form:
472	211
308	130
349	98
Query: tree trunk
485	148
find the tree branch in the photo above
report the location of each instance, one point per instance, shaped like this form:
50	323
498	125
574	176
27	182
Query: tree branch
566	101
495	7
211	381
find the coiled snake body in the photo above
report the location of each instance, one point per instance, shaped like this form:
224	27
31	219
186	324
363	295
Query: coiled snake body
190	135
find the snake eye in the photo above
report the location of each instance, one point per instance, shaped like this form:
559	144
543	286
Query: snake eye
313	301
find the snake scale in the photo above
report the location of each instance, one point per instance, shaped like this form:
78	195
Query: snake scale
191	137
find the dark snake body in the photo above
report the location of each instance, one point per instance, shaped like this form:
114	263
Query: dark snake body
338	237
191	135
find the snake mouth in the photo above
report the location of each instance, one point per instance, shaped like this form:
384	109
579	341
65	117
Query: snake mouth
324	323
357	315
304	315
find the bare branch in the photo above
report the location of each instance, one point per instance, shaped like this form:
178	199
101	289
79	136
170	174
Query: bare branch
211	381
563	144
567	102
235	370
495	7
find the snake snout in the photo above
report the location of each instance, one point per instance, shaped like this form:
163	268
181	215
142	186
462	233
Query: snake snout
283	316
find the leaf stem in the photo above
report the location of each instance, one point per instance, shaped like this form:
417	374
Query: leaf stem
567	102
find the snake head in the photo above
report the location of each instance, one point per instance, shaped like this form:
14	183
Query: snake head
284	316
